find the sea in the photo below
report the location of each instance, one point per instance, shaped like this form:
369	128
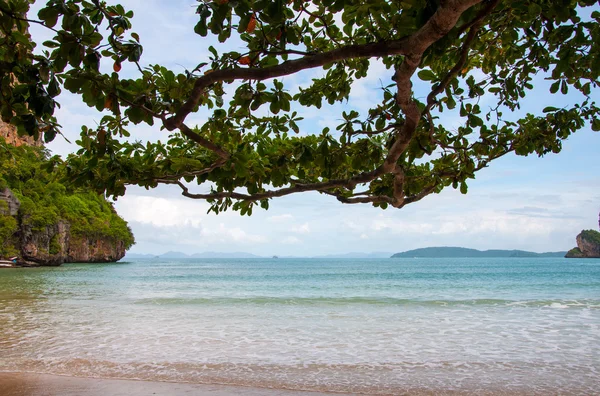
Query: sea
370	326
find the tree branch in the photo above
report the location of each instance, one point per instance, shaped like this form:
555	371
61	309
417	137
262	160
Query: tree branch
172	178
412	47
14	16
266	194
482	14
419	196
371	199
398	187
187	132
475	25
395	47
438	25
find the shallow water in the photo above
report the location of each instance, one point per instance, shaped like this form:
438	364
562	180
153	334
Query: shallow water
371	326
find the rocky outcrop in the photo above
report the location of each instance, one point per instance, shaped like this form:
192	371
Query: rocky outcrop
588	245
47	246
95	250
57	243
54	245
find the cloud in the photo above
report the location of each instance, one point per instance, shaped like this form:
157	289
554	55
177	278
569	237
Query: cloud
224	234
162	212
367	91
280	218
531	211
349	224
302	229
291	240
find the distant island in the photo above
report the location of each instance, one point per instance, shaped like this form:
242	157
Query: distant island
244	255
430	252
460	252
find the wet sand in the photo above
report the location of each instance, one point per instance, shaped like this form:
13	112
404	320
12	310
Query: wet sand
27	384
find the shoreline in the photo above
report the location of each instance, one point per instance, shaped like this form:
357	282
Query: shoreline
34	384
41	384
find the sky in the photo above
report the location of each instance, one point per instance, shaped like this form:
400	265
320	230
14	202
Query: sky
529	203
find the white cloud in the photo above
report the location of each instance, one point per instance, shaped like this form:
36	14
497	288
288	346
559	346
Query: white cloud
280	218
224	234
349	224
367	91
302	229
291	240
162	212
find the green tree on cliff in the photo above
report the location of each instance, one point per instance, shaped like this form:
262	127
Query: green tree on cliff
44	202
251	149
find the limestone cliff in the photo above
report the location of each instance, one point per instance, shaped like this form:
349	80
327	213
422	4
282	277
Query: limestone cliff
10	135
95	250
45	222
588	245
55	244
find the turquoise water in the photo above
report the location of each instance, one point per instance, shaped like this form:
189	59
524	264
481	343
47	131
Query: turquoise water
388	326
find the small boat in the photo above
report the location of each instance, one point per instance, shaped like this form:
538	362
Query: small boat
11	262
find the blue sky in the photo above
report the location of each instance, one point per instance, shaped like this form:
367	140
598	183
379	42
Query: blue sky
517	203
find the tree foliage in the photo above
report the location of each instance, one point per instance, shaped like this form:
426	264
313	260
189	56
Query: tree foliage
252	148
8	226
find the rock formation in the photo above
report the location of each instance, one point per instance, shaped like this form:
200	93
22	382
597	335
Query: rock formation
51	244
9	133
55	245
588	245
12	203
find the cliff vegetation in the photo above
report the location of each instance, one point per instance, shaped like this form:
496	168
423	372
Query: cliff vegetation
47	221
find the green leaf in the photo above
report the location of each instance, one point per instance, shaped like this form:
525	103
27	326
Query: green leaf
49	135
53	88
51	44
550	109
274	107
201	28
49	15
426	75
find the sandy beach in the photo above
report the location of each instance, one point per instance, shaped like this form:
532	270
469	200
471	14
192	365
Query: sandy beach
29	384
33	384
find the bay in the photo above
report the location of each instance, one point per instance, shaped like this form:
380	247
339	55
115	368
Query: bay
374	326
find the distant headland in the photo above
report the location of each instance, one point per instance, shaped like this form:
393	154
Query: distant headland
588	245
460	252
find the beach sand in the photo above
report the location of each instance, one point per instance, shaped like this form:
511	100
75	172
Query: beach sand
29	384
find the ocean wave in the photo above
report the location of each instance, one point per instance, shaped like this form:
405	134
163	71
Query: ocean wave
315	301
